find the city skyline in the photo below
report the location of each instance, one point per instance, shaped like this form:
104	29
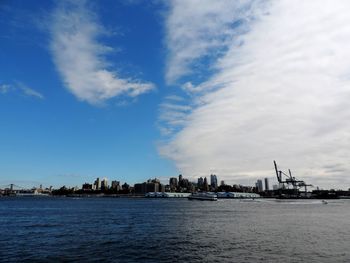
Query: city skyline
138	89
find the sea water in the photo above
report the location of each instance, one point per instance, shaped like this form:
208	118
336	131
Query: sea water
51	229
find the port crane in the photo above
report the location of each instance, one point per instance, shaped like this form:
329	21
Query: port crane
290	180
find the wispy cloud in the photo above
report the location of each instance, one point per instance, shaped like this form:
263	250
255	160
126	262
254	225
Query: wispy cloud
81	58
4	88
19	87
28	91
280	90
201	29
173	112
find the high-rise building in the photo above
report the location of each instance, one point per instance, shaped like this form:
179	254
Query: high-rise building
200	182
97	184
180	180
222	183
259	185
116	185
267	188
86	187
173	183
161	188
205	184
213	181
125	187
152	185
140	188
104	184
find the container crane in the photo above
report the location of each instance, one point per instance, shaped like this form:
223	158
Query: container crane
290	180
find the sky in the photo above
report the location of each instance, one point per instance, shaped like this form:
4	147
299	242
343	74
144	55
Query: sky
132	90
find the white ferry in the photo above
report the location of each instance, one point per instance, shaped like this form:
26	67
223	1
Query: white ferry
31	193
203	196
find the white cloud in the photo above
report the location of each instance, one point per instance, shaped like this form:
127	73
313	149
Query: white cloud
173	112
21	88
80	57
4	88
201	29
29	91
281	92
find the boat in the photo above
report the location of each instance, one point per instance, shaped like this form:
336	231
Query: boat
324	202
28	194
204	196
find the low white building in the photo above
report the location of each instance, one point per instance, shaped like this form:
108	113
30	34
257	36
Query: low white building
237	195
166	195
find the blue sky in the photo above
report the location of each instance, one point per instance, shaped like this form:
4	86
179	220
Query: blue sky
55	138
131	90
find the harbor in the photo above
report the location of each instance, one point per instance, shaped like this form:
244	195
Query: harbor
287	187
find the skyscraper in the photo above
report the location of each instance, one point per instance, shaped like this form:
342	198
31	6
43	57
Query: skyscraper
116	185
213	181
259	185
200	182
97	184
173	183
267	188
205	184
104	184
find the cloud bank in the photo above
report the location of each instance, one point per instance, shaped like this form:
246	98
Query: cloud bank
81	58
201	29
280	89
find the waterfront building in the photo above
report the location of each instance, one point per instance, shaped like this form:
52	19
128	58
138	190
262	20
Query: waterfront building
152	185
167	195
237	188
237	195
97	184
86	187
161	188
125	187
259	185
222	183
205	185
267	188
115	185
200	182
183	183
173	183
140	188
275	187
104	184
213	181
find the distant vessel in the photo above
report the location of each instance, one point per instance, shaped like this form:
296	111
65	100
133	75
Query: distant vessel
203	196
30	193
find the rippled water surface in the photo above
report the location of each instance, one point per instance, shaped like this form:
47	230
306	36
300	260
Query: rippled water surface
173	230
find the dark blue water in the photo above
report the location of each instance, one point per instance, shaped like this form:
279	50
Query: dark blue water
173	230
